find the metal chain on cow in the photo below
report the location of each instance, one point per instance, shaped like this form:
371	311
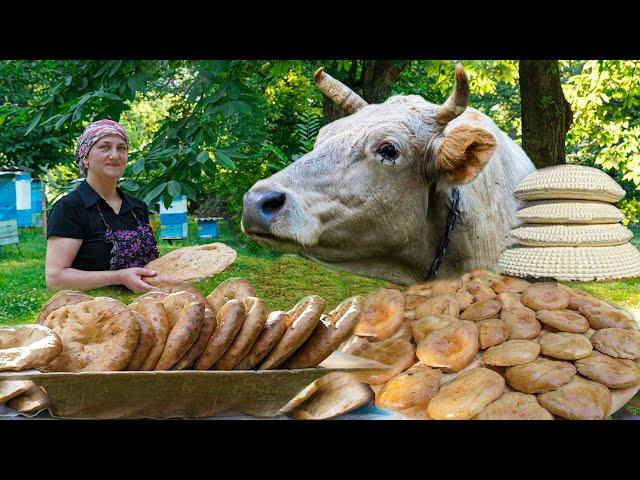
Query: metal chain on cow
454	212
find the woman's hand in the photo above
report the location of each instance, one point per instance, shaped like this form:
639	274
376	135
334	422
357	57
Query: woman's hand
132	278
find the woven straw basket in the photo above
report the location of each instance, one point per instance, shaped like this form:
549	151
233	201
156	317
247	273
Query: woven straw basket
569	181
572	235
570	212
572	263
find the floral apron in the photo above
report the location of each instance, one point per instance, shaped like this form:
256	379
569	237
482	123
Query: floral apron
131	248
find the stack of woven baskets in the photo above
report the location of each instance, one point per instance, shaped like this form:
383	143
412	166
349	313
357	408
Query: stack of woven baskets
572	230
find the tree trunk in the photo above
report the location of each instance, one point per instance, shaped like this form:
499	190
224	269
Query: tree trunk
546	114
373	85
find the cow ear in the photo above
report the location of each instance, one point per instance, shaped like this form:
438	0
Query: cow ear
464	152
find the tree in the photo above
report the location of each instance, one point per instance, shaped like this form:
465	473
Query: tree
546	114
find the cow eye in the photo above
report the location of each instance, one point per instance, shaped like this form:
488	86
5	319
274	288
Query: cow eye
388	151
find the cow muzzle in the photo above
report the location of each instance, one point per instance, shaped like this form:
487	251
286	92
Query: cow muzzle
260	209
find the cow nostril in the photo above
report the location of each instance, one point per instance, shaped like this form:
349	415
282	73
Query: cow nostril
272	202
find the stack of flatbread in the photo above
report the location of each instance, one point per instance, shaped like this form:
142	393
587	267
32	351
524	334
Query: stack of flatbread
572	230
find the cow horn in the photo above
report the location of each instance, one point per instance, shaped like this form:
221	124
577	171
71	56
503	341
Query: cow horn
457	101
338	92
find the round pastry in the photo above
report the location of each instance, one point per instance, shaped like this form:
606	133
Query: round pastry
580	399
510	301
276	324
540	376
154	312
206	332
522	323
382	314
480	290
233	288
330	332
481	310
514	406
510	285
467	395
30	402
612	372
397	353
617	342
98	335
563	320
59	300
304	316
493	332
545	295
565	346
182	335
452	347
413	387
443	304
422	327
511	352
174	304
146	340
229	320
248	334
605	316
27	346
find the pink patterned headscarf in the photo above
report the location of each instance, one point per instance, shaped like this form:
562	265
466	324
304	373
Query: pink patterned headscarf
94	132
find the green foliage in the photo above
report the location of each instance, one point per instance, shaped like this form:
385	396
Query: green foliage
306	132
630	207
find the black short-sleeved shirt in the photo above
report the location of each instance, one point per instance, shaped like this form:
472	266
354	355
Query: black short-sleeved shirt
76	216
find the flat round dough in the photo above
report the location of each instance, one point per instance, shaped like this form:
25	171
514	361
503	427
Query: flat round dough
564	320
617	342
59	300
511	352
467	395
382	314
580	399
188	264
541	375
514	406
565	346
612	372
452	347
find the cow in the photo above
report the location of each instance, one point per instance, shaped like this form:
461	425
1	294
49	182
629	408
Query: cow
374	195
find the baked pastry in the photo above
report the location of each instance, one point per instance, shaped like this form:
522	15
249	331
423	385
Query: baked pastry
397	353
617	342
580	399
146	340
423	326
612	372
452	347
510	285
182	335
563	320
522	323
493	332
541	375
229	321
605	316
276	324
565	346
443	304
545	295
31	401
514	406
59	300
413	387
232	288
382	314
154	312
511	352
481	310
27	346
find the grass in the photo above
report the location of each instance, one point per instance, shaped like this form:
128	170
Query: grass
281	280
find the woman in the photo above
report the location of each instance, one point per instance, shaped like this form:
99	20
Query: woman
97	234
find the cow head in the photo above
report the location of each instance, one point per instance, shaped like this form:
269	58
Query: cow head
359	201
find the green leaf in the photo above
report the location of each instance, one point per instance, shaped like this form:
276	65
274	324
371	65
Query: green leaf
224	160
243	107
202	157
130	185
34	122
138	166
109	96
228	109
189	191
174	189
61	120
154	193
84	81
76	115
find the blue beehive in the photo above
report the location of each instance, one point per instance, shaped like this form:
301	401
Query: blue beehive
23	199
36	202
208	227
173	220
8	211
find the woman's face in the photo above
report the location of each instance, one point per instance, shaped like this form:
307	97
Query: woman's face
108	157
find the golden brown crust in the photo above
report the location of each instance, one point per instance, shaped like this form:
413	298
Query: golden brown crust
540	376
413	387
452	347
466	396
146	340
248	334
27	346
481	310
563	320
545	295
30	402
153	311
232	288
580	399
605	316
330	332
510	301
182	335
565	346
522	323
514	406
59	300
271	333
229	321
465	299
617	342
174	304
510	285
480	290
492	332
440	304
423	326
98	335
511	352
208	328
382	314
12	388
612	372
397	353
304	317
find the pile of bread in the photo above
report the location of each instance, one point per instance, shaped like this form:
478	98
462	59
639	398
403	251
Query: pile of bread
485	346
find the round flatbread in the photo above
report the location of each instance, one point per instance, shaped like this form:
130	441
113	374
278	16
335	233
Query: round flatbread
423	326
232	288
59	300
12	388
545	295
382	314
522	323
564	320
27	346
492	332
466	396
605	316
510	285
304	316
30	402
271	333
580	399
612	372
452	347
98	335
413	387
617	342
440	304
514	406
154	312
511	352
480	290
565	346
182	335
191	263
482	310
330	332
206	332
397	353
146	340
229	320
541	375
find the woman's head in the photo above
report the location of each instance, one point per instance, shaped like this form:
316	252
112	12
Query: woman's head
103	148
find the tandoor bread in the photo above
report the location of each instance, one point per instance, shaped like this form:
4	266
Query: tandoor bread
27	346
